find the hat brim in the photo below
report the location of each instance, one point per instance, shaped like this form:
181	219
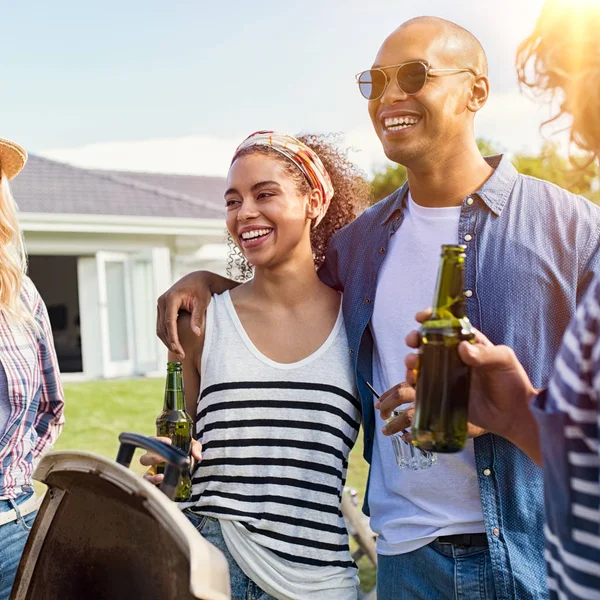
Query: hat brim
12	158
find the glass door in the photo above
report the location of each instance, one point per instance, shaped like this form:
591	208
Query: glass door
144	312
114	289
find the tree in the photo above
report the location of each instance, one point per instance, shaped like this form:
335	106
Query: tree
486	147
387	181
549	164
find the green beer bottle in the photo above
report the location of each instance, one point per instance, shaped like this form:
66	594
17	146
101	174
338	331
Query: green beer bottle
174	422
443	380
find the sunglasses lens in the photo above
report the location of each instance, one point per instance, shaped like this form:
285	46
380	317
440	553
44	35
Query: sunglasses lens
411	77
371	84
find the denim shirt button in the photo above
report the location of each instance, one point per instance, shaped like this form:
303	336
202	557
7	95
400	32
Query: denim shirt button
381	250
470	201
468	237
368	300
468	293
351	352
487	472
496	532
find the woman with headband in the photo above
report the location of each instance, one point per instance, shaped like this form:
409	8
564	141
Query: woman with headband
270	382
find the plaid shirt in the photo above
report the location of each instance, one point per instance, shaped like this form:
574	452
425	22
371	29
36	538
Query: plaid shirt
35	395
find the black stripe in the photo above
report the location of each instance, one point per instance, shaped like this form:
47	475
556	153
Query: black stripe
584	473
318	406
274	535
306	425
315	562
334	510
275	518
585	524
281	462
281	385
287	481
278	444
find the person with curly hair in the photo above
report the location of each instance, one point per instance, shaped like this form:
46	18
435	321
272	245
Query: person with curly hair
558	427
270	383
560	62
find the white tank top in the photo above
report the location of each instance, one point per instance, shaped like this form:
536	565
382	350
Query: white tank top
275	444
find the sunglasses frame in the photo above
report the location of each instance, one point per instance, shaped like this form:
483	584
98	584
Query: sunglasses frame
429	72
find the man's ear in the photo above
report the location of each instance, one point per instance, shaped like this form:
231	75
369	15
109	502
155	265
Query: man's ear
480	92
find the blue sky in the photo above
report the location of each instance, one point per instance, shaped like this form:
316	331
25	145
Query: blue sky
174	86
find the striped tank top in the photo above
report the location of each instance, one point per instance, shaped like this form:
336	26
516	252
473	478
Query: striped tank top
275	444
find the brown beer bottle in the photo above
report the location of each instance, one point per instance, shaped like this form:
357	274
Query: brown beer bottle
443	380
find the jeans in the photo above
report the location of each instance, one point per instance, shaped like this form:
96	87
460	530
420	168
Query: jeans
242	587
436	572
13	536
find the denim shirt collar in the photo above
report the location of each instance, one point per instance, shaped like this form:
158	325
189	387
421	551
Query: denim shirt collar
497	189
494	193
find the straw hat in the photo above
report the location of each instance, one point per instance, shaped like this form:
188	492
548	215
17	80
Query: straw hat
12	158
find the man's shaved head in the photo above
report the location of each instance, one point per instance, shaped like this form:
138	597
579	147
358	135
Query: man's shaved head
456	39
433	122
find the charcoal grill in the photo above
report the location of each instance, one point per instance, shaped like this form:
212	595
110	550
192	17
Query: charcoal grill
104	533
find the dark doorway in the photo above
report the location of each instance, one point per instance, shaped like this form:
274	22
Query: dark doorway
56	279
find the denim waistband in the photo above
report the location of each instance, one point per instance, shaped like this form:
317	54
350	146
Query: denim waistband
6	505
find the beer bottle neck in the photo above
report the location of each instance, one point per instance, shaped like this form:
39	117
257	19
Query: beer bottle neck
449	301
174	395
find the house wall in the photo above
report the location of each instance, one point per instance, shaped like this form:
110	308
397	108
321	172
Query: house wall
188	253
65	264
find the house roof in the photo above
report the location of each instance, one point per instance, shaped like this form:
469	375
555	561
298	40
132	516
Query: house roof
48	186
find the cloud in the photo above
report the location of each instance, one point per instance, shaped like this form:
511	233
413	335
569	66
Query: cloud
196	155
509	120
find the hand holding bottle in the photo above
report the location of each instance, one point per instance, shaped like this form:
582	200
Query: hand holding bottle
500	388
151	460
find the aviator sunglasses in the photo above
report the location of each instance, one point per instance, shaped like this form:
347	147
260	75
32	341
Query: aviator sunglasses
410	77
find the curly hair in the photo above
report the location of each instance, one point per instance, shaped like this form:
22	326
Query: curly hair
561	60
352	195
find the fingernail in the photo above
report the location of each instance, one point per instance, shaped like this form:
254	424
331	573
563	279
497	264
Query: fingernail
473	349
385	430
377	404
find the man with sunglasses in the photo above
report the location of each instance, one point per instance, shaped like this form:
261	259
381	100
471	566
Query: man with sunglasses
472	525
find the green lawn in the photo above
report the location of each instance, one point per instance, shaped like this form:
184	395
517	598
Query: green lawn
97	411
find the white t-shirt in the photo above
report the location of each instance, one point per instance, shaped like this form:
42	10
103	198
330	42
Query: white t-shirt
409	509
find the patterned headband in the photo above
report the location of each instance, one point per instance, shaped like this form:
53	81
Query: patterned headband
301	155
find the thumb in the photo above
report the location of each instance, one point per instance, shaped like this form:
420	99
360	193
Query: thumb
196	450
197	319
478	355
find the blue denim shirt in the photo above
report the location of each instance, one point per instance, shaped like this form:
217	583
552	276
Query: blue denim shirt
532	252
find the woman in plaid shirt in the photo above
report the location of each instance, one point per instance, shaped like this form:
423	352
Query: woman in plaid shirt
31	395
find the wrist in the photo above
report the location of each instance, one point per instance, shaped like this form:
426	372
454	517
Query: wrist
523	426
